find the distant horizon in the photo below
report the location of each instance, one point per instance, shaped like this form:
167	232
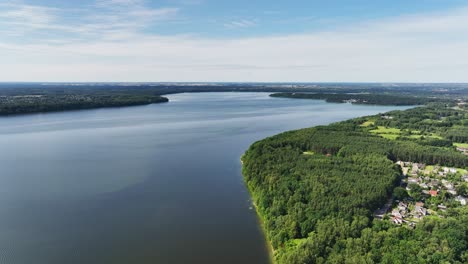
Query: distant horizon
221	82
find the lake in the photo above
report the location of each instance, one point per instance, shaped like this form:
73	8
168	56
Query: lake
159	183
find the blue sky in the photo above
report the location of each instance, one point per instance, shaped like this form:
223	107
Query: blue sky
207	40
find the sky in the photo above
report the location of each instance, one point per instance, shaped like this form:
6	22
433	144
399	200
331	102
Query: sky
233	41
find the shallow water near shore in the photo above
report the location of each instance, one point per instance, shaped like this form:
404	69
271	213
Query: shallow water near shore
149	184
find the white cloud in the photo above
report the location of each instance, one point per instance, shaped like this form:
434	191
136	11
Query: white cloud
29	16
106	19
443	22
243	23
119	2
428	47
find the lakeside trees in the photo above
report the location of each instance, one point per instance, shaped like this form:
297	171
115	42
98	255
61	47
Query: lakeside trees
10	105
317	207
361	98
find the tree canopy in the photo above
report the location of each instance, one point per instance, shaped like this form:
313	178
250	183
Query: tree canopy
316	190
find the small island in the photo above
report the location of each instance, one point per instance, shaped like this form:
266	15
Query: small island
389	188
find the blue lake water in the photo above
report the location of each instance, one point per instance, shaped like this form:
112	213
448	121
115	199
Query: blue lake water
150	184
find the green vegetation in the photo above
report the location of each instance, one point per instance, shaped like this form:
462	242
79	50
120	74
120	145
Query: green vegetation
388	133
368	123
461	145
362	98
386	130
23	104
400	193
319	208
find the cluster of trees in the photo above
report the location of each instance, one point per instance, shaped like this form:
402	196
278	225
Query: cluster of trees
47	103
316	190
448	124
335	240
459	134
433	118
365	98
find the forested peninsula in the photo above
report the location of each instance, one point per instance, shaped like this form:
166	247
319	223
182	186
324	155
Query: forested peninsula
34	103
362	98
388	188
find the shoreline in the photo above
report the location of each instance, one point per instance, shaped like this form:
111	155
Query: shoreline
268	245
164	99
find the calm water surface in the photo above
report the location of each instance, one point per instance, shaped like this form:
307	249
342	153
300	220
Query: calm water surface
151	184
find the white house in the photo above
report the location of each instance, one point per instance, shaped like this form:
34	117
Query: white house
462	199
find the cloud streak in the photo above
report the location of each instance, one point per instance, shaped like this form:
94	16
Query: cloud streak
243	23
109	19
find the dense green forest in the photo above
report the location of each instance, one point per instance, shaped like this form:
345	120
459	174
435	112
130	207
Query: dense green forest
316	189
22	104
373	99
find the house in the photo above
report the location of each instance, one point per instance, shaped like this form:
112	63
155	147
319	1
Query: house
397	220
447	184
402	206
421	204
414	180
465	177
450	170
417	167
419	210
452	191
462	149
433	193
433	183
420	166
396	213
462	200
442	207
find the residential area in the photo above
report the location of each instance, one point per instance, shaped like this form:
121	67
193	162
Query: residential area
425	190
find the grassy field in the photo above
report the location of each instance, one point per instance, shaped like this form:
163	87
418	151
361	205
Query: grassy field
387	132
394	133
435	136
462	145
368	123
